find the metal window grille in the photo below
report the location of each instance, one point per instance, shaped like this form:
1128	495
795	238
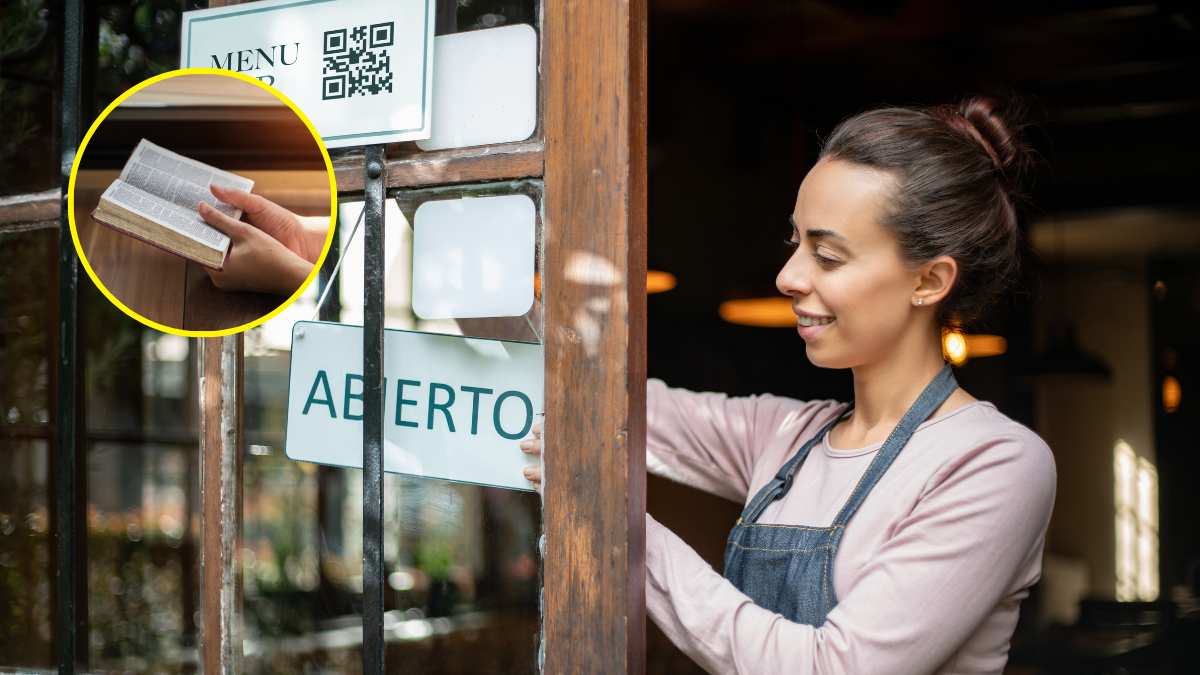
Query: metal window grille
374	182
78	110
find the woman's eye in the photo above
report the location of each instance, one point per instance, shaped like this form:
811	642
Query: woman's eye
824	260
791	243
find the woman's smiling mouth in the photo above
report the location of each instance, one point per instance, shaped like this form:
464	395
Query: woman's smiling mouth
814	320
809	326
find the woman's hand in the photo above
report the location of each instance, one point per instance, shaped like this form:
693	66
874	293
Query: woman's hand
276	221
533	446
256	260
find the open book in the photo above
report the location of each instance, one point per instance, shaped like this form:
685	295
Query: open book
156	200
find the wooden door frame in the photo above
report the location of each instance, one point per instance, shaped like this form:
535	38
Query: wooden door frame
590	150
594	93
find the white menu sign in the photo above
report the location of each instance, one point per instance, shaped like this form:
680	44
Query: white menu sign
455	408
361	70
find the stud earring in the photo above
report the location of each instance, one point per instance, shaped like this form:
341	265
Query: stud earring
920	301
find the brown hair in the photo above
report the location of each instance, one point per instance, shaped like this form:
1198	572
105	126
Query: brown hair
959	171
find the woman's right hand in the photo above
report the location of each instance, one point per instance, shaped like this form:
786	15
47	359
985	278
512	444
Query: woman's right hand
533	446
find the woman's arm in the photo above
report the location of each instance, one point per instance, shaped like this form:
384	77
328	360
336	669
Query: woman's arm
712	441
928	589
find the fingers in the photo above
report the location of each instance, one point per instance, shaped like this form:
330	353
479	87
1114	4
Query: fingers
533	446
223	223
533	474
250	203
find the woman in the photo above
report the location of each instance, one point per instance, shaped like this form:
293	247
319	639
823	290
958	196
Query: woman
900	533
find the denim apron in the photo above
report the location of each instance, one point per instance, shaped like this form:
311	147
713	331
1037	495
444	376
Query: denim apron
788	569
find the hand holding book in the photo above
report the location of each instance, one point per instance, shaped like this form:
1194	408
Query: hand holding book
192	210
257	260
281	224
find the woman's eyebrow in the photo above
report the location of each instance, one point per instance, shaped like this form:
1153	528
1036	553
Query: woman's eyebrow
825	233
816	233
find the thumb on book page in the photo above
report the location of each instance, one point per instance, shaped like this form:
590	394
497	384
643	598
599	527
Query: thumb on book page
234	229
246	201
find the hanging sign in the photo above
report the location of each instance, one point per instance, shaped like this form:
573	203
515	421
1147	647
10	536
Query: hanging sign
455	408
361	70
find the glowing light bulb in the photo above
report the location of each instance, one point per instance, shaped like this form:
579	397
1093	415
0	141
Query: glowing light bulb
954	346
657	282
1171	394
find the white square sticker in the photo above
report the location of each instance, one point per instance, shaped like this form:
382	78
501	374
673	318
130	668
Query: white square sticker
474	257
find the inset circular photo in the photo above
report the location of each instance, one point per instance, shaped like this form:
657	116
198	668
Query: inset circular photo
202	202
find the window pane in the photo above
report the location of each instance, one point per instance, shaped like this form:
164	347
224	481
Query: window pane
29	97
143	479
28	284
142	571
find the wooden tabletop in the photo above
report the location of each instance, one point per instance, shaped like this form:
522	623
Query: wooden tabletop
167	289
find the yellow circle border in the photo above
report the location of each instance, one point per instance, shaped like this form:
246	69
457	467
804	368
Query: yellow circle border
332	203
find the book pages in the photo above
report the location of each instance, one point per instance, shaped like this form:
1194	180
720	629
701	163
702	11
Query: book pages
179	180
181	219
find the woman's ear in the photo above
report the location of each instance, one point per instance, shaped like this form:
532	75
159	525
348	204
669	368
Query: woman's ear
935	281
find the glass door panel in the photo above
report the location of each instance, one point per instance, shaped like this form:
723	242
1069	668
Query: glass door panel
462	560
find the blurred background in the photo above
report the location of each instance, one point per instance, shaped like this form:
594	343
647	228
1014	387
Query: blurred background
1097	350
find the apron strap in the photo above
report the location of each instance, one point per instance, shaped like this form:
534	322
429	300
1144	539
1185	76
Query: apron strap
781	484
931	399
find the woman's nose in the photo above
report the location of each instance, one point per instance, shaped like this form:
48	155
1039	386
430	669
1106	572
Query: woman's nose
793	279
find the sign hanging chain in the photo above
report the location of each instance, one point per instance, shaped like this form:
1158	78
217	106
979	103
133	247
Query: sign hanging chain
338	267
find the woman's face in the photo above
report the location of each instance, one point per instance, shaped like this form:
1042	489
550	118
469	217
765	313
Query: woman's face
852	293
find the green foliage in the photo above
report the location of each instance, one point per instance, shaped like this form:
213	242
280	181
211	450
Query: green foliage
138	40
23	132
22	23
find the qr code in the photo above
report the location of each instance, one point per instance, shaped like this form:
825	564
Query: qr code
357	61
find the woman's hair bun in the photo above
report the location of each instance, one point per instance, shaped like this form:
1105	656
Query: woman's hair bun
960	169
994	127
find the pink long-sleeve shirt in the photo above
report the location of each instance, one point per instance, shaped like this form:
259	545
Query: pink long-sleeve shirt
931	569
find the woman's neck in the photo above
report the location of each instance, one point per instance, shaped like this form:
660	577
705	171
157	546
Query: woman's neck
886	389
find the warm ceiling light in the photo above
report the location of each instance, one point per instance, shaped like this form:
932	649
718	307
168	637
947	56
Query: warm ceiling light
1172	392
954	347
958	347
657	282
767	312
985	345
